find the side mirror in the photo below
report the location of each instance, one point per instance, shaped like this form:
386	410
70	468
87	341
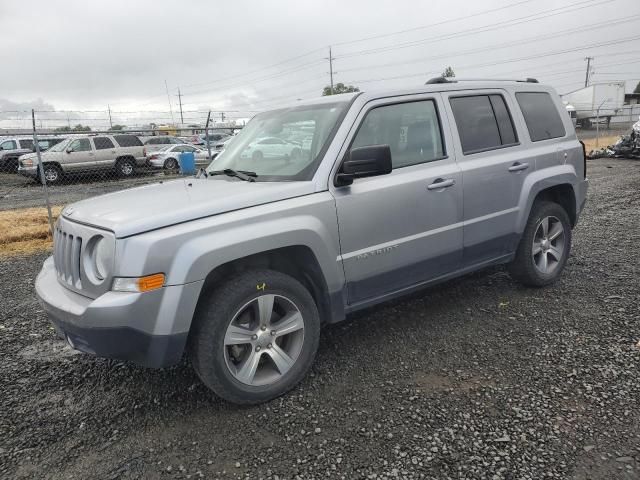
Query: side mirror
69	150
361	162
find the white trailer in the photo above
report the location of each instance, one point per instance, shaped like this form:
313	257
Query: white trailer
597	102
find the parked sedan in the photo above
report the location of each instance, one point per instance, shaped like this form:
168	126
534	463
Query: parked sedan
167	158
272	148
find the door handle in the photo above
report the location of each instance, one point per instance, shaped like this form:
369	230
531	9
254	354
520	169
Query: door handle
516	167
441	183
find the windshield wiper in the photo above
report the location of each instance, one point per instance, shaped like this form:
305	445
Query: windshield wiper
241	174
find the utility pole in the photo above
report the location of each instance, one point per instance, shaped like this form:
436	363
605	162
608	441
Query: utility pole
222	117
180	102
331	69
110	122
169	99
586	78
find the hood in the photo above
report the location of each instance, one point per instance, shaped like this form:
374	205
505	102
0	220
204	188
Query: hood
137	210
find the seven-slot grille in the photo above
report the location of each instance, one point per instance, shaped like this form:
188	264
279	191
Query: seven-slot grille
66	257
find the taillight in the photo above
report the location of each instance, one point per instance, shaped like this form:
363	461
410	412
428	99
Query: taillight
144	152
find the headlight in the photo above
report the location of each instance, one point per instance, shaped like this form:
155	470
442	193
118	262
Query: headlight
103	258
27	163
98	258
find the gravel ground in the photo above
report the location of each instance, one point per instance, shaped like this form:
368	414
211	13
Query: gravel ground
476	378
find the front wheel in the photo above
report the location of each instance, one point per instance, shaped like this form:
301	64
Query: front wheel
171	164
256	337
544	247
52	174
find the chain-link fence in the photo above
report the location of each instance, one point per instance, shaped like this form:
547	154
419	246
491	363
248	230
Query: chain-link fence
41	169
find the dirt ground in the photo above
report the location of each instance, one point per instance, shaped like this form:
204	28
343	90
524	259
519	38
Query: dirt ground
476	378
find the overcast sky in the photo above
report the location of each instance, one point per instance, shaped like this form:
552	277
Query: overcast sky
243	56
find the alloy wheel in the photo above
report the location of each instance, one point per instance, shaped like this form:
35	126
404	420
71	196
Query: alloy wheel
263	340
548	245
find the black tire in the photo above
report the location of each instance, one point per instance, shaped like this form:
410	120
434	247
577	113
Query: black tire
171	164
52	174
207	349
523	268
257	155
125	167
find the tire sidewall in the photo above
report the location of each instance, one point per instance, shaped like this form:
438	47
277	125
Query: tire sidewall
121	165
213	318
540	211
171	164
54	169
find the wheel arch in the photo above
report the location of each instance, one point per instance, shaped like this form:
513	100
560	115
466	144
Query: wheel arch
557	184
297	261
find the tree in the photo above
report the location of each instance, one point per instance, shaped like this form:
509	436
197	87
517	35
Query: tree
62	129
117	127
339	88
80	128
448	73
637	89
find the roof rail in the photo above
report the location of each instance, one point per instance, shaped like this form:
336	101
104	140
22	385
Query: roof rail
447	80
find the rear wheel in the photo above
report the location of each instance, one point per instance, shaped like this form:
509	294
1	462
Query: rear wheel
125	167
256	337
544	247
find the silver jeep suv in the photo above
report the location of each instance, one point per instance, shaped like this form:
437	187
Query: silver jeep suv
86	153
393	191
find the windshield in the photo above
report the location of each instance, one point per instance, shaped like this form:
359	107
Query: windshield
282	145
58	147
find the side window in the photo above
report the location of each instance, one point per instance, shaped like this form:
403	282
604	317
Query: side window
187	148
80	145
483	122
412	131
102	143
129	140
541	115
8	145
27	144
152	141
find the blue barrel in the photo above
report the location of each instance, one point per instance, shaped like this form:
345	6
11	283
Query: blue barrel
187	162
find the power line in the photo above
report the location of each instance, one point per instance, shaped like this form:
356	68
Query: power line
431	25
485	28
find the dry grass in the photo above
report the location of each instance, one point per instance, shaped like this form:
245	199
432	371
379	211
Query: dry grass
25	231
590	143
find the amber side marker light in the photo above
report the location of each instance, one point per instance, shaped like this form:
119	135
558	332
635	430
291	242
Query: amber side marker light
140	284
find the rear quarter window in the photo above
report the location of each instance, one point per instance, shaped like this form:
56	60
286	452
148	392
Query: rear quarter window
128	140
541	115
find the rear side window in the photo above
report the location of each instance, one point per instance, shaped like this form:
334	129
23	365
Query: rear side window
102	143
541	115
412	131
26	144
483	122
128	140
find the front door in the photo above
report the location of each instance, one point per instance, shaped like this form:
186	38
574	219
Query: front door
404	228
79	155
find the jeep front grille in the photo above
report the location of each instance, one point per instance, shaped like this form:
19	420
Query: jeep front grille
66	257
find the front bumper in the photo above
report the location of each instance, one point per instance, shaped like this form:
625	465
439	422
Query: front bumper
149	329
31	172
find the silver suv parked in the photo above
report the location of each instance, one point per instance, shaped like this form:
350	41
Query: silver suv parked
122	153
394	191
13	147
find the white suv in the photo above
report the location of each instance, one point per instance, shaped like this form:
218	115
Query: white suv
85	154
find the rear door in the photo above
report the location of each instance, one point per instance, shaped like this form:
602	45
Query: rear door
404	228
105	151
495	164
